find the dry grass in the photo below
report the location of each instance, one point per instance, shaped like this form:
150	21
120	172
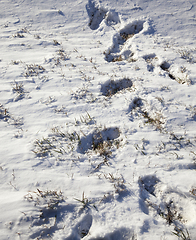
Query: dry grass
33	70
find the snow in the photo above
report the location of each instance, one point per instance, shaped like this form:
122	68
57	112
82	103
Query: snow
97	118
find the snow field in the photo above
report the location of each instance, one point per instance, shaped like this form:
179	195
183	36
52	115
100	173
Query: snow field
98	120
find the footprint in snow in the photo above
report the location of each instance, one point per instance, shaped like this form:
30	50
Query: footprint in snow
154	64
98	13
179	74
171	204
95	140
119	234
82	228
151	60
111	87
120	49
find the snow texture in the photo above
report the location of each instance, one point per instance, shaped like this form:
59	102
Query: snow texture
98	119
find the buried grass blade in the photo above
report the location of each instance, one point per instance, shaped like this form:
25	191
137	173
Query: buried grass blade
86	203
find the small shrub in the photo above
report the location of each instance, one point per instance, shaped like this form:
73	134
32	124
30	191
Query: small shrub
44	147
193	191
56	43
118	182
186	54
36	36
62	55
48	199
7	117
18	88
117	58
156	120
4	113
16	62
18	35
61	110
167	211
103	148
33	70
86	119
80	93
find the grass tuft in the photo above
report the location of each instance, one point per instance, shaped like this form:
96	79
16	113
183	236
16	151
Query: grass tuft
48	199
56	144
33	70
18	88
7	117
86	203
181	233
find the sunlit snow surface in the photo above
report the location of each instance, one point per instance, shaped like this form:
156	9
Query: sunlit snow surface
98	119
